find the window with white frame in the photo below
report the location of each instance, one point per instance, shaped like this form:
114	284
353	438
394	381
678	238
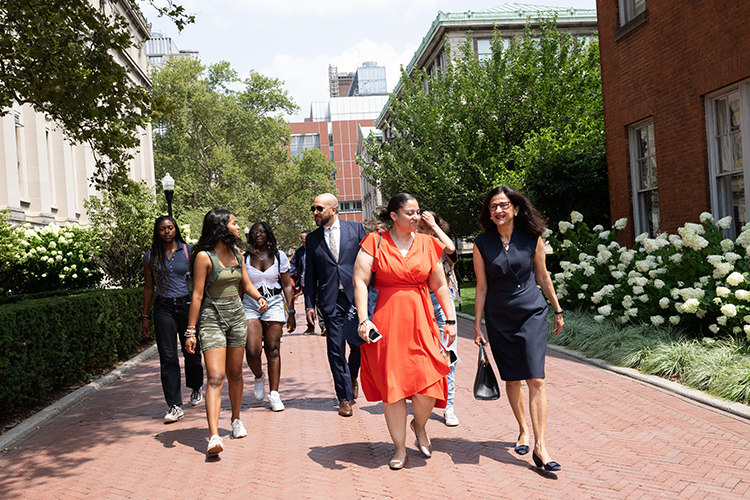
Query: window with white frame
629	9
727	129
302	142
644	178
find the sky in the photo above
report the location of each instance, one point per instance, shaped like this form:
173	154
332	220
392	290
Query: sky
296	40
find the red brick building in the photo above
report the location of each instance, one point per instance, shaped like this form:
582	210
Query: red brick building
332	128
676	83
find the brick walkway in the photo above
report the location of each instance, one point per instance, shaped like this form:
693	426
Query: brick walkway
615	438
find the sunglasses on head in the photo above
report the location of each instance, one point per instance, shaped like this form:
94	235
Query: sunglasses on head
317	208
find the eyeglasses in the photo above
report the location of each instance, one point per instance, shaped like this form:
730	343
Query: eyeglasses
256	232
317	208
502	206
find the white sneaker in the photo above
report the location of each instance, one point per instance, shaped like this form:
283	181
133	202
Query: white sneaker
196	398
215	445
451	420
174	414
260	387
238	430
275	400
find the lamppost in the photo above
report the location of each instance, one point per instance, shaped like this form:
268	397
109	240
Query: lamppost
247	234
167	183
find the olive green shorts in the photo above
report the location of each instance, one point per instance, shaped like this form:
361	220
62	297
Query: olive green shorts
227	329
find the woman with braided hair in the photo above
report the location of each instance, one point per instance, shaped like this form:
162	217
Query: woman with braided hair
165	266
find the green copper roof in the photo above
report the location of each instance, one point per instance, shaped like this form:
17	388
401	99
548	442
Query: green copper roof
509	13
506	14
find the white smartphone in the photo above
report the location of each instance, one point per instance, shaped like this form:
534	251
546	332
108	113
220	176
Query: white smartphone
374	335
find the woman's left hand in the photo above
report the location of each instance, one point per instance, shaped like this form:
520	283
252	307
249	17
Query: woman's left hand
363	330
190	344
557	326
262	305
291	322
450	331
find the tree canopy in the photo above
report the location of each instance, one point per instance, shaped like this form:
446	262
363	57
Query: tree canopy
57	55
526	113
223	141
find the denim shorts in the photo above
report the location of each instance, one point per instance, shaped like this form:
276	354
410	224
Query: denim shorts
229	332
276	310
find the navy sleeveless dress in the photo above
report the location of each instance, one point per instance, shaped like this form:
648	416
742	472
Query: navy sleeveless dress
515	312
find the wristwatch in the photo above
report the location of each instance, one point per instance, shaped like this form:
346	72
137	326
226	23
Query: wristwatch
450	321
559	312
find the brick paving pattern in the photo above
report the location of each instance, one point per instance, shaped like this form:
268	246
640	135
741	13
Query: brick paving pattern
616	438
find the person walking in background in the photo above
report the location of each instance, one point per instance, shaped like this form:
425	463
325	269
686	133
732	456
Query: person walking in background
268	269
217	269
433	225
165	266
297	272
331	252
509	260
408	362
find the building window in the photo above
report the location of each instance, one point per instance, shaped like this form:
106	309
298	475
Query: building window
643	170
350	206
629	9
484	47
302	142
726	117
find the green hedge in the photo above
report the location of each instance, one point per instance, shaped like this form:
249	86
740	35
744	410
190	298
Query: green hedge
54	342
465	268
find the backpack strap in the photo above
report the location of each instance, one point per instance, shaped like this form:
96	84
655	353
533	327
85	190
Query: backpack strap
184	248
278	266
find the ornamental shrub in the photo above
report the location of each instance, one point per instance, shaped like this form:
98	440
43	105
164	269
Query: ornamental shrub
49	258
125	223
73	337
695	279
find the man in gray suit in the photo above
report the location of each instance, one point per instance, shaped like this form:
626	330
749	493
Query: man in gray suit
330	255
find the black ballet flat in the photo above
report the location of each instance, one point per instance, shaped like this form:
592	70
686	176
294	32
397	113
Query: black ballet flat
549	466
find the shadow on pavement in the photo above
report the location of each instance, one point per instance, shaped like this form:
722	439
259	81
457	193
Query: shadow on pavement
377	454
187	437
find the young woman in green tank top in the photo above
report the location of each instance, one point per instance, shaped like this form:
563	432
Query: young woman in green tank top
223	330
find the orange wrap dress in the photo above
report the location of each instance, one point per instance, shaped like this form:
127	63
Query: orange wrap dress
408	359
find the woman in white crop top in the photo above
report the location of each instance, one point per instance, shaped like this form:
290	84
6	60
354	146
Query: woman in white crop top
268	269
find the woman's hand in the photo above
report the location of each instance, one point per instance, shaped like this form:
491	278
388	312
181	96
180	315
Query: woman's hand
291	322
190	344
363	330
450	331
428	219
146	329
262	304
557	326
478	337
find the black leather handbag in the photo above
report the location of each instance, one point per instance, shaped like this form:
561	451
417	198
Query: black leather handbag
485	383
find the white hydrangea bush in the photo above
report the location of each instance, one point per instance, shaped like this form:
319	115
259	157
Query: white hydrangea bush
55	258
696	278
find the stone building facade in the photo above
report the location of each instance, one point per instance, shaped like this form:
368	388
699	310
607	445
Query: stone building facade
43	177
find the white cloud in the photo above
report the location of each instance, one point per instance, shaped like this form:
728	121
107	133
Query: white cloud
306	78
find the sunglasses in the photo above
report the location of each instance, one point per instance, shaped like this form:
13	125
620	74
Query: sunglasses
318	208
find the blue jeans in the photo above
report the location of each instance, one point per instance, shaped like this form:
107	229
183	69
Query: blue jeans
440	317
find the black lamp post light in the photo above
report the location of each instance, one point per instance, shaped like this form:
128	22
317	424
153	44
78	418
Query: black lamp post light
167	183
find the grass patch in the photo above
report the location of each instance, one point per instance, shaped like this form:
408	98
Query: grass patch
468	290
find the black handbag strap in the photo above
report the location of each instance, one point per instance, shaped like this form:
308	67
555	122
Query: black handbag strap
483	354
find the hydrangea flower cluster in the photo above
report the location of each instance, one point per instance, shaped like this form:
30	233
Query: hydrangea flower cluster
695	278
54	258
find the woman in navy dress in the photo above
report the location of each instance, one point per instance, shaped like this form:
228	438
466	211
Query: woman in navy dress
509	261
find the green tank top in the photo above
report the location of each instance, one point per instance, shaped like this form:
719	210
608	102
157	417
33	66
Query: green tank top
227	282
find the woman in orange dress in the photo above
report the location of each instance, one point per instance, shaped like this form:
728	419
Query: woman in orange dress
408	362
